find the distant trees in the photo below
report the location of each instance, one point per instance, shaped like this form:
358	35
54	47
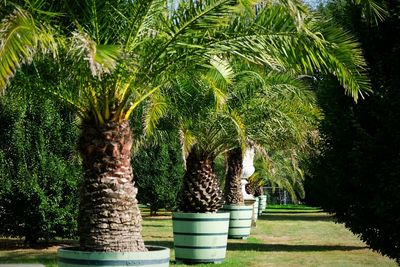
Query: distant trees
356	175
159	171
39	171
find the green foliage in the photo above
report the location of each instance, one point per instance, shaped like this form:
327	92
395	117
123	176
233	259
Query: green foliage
280	170
281	114
198	110
159	170
124	52
38	170
21	38
356	174
278	109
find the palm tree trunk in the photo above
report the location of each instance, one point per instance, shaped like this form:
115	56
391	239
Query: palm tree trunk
250	189
109	216
201	191
233	186
258	191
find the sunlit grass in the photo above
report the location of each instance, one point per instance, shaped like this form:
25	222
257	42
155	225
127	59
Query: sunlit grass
279	239
292	208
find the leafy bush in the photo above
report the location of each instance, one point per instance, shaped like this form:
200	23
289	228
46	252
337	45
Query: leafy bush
158	171
356	176
38	169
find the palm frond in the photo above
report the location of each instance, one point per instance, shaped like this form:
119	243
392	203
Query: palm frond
186	30
20	40
139	100
101	58
281	170
187	141
318	45
240	128
278	109
219	77
325	47
258	39
297	10
142	17
156	108
373	10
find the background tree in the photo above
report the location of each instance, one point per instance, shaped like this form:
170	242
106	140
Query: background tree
356	174
160	170
39	166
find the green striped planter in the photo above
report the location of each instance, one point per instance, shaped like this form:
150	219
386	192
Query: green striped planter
240	220
200	237
255	212
154	257
262	204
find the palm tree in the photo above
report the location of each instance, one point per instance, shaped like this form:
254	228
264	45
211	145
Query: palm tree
279	113
320	47
207	130
117	56
278	169
283	171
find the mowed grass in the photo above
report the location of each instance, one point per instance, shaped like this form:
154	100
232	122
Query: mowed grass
291	208
282	237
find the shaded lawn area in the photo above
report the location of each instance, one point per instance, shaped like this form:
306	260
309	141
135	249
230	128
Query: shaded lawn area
291	238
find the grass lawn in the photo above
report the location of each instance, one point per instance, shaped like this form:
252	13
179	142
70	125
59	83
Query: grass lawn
290	208
296	236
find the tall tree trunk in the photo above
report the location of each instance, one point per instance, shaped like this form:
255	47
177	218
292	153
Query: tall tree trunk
233	185
258	191
250	188
201	191
109	216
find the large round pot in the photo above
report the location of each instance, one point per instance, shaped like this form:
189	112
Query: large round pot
240	220
155	257
200	237
262	204
255	213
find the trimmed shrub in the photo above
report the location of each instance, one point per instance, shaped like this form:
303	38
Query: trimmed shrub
158	171
356	175
39	170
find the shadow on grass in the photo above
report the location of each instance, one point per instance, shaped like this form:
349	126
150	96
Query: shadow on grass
269	247
49	259
156	218
163	243
14	244
296	217
289	248
156	225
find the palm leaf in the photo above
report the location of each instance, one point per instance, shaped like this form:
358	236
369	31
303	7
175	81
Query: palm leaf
101	58
373	10
20	40
219	77
157	107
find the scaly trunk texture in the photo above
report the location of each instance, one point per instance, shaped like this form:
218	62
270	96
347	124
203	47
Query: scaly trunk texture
109	216
258	191
250	189
233	185
201	191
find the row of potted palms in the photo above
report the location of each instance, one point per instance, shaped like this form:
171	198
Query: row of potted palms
215	121
122	54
